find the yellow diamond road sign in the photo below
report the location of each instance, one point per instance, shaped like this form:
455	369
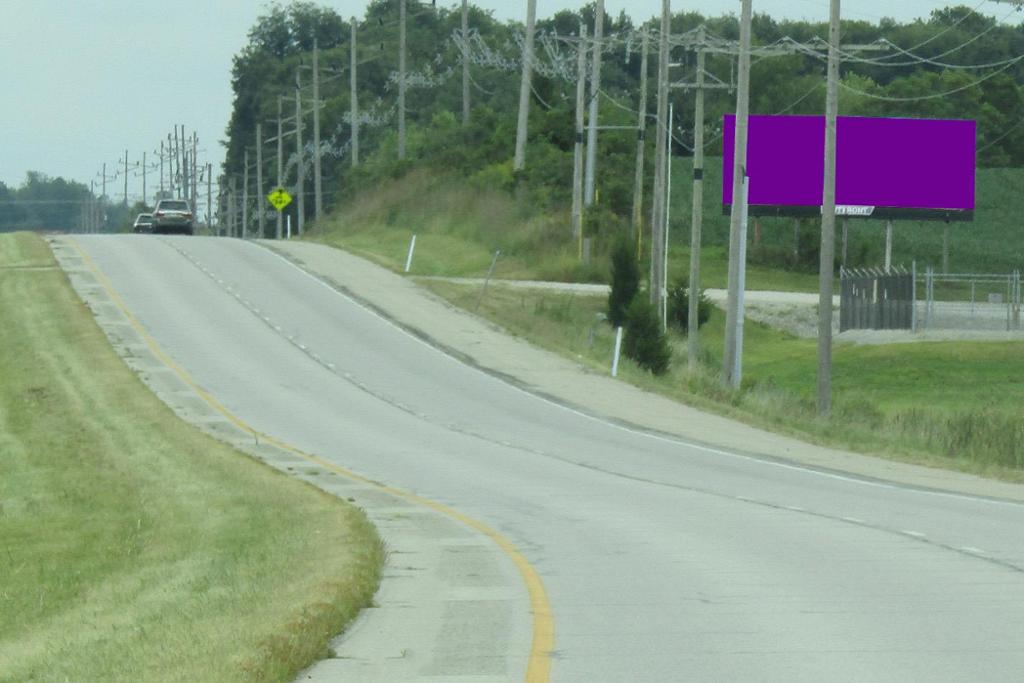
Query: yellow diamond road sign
279	198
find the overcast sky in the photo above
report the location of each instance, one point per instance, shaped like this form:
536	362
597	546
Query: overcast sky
84	81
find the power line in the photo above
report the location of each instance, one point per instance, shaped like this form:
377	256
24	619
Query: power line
935	96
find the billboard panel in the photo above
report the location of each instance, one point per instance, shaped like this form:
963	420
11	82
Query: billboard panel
885	168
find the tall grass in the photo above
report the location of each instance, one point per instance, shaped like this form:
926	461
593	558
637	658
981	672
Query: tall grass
459	225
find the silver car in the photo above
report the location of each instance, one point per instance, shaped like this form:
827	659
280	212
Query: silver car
143	223
172	216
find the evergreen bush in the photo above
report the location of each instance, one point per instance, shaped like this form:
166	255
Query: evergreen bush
644	340
625	281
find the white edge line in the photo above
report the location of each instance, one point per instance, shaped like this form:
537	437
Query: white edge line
658	437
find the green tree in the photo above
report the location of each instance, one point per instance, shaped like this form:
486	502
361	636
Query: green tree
644	340
625	281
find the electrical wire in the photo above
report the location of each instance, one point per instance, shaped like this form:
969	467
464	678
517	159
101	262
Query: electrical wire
934	96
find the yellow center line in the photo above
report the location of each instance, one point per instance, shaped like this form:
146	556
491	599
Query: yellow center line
538	668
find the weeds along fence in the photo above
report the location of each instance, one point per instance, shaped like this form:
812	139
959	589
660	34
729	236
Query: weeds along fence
969	301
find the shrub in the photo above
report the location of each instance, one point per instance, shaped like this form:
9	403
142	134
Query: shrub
679	306
644	341
625	281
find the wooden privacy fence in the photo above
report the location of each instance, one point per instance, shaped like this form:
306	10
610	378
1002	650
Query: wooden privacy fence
876	299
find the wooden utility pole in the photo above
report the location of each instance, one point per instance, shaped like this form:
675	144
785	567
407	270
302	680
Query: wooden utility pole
209	197
161	168
828	219
195	168
144	179
465	62
125	201
577	159
354	98
731	358
231	207
641	130
660	157
519	162
176	178
300	189
693	320
318	204
401	80
260	199
595	99
280	161
245	195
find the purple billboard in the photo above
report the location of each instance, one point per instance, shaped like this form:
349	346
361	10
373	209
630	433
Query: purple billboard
885	168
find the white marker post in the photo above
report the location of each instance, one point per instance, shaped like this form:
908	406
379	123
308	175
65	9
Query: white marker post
618	348
408	260
289	233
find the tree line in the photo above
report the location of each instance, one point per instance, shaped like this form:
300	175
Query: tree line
922	75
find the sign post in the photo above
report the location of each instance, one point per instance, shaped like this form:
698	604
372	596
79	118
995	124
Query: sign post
279	199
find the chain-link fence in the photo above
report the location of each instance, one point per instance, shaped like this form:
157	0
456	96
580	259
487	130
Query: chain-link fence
968	301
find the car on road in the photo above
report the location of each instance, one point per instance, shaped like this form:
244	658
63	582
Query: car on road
172	216
143	223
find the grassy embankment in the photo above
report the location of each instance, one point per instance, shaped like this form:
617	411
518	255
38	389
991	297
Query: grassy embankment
955	405
132	546
458	228
950	404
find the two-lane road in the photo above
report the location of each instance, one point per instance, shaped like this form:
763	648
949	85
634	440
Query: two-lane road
662	561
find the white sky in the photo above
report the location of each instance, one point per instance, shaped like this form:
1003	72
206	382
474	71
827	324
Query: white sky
84	81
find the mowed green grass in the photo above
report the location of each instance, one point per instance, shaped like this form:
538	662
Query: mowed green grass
957	405
132	546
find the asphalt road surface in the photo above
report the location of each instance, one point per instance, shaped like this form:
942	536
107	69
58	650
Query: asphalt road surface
661	561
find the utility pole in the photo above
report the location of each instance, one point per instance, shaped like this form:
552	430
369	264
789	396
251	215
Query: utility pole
595	88
126	178
465	62
354	104
280	161
577	160
731	358
176	170
828	219
209	197
161	168
888	245
144	179
259	180
401	81
697	220
231	208
641	131
195	150
300	190
318	204
519	161
245	195
658	204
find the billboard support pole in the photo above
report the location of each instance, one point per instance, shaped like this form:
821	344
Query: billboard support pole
945	249
828	219
888	246
738	172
